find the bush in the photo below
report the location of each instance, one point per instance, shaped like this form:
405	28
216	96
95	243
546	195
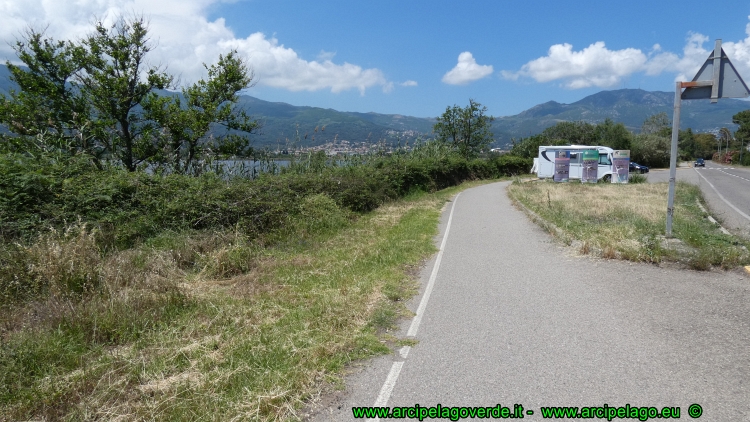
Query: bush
637	178
651	150
123	208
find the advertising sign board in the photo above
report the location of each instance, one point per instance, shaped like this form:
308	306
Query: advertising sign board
589	166
562	166
620	166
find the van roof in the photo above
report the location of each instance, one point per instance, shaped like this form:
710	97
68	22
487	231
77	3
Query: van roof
572	147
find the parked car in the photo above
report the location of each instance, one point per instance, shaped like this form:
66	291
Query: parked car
635	167
700	163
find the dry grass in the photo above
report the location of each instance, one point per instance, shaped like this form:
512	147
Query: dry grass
208	326
627	222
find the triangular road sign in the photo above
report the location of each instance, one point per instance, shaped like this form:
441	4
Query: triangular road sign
713	84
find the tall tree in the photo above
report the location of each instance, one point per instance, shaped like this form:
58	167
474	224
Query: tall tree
116	79
686	144
743	132
572	133
613	135
207	104
99	96
705	145
46	103
743	120
657	124
466	129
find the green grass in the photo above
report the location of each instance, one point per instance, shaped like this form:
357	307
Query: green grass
199	325
628	222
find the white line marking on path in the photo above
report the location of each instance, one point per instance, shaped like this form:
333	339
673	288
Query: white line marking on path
430	284
711	219
390	381
724	199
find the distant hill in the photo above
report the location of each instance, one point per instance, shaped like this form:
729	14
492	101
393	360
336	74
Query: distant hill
629	106
285	124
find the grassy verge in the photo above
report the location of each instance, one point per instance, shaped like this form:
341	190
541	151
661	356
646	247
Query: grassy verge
628	222
208	325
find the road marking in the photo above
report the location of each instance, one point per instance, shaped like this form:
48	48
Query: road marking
390	381
711	219
723	199
430	284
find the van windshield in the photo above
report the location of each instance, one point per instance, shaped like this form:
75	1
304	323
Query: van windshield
604	159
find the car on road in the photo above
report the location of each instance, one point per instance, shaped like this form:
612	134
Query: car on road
700	163
637	168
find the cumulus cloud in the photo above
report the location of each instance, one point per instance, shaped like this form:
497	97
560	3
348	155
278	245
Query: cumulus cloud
595	65
408	83
466	70
598	66
185	39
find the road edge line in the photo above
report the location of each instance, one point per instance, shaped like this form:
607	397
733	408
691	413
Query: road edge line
722	196
390	381
431	283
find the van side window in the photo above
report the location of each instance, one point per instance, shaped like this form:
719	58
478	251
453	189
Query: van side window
603	159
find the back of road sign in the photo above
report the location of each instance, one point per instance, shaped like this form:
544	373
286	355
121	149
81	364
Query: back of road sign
730	83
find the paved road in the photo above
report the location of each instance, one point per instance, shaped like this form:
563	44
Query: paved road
516	318
725	188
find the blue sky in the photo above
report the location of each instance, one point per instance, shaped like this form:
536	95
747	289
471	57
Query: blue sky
417	57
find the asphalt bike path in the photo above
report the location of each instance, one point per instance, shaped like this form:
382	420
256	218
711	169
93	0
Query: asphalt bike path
514	317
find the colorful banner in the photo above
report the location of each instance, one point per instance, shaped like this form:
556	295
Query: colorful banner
562	166
620	166
589	166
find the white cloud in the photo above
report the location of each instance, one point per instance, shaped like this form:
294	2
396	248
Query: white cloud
598	66
326	55
185	39
408	83
466	70
595	65
693	56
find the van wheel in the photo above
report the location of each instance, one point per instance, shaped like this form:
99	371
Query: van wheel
607	178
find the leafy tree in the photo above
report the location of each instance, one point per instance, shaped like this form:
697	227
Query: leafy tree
99	97
46	104
529	147
466	129
571	133
705	145
743	132
657	124
613	135
112	80
650	150
743	120
686	144
186	126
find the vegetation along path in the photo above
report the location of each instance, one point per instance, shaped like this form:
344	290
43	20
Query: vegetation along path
516	318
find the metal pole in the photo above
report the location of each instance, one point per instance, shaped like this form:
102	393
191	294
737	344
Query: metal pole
673	156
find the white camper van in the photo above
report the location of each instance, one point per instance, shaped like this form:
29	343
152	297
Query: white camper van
544	164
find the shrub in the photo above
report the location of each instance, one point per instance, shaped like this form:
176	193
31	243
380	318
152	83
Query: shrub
123	209
637	178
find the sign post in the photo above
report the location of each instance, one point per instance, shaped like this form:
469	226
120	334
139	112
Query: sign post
717	78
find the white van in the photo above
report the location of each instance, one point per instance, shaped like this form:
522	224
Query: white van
544	164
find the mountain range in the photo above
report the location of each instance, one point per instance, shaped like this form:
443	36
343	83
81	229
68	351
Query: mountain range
285	124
